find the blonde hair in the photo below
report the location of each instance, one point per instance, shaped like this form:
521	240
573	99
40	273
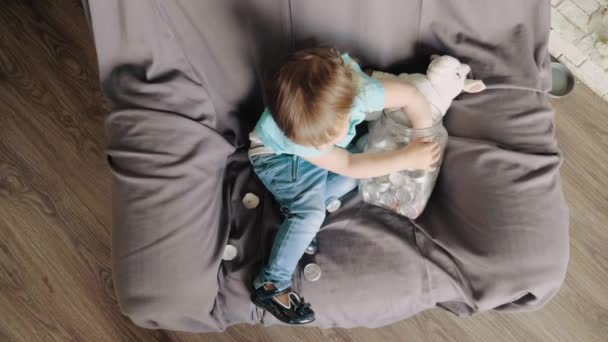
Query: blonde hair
311	94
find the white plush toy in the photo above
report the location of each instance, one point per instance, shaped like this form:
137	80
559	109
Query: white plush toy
445	78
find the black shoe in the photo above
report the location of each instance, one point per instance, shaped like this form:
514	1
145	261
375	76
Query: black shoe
312	247
298	312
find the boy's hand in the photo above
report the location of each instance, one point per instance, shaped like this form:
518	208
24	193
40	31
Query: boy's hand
416	107
421	154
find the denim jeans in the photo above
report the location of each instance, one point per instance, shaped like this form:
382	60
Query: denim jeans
303	190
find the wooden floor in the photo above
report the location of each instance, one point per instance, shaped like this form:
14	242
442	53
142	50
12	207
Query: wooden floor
55	276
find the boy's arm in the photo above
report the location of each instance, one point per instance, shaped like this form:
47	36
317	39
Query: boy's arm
420	154
402	94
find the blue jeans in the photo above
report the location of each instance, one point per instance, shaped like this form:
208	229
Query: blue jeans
303	190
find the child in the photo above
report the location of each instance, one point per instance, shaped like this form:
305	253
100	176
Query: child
314	101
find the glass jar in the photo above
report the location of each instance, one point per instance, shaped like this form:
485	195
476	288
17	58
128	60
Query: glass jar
405	192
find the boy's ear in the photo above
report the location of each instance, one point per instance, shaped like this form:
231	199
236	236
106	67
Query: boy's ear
474	86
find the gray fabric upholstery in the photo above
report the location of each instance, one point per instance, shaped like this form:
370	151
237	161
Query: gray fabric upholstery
183	80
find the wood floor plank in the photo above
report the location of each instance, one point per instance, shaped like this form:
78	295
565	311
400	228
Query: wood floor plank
57	101
55	263
61	257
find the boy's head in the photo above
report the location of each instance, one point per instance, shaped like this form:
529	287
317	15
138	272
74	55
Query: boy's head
310	97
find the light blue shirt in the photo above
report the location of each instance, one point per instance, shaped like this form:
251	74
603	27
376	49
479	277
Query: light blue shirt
370	98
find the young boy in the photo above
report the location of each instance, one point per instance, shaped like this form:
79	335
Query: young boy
314	101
